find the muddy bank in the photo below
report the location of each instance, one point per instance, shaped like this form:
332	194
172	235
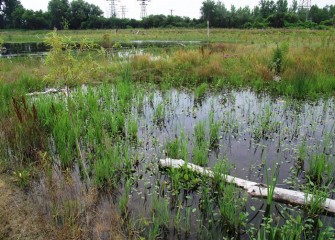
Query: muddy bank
22	216
19	216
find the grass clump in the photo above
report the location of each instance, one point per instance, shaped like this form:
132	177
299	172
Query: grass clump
132	130
278	59
200	154
23	133
200	149
200	91
177	148
230	202
320	169
271	182
214	129
159	115
200	133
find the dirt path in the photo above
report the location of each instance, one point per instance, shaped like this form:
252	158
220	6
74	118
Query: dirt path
19	218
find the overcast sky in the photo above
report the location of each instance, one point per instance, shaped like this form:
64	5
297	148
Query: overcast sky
189	8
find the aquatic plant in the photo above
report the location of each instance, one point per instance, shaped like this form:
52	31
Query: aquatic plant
200	91
159	115
320	169
199	132
200	154
214	128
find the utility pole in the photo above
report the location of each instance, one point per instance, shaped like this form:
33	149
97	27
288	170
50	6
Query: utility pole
143	4
112	8
306	6
171	12
123	11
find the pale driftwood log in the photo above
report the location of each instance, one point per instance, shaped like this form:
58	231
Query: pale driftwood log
48	91
254	189
180	44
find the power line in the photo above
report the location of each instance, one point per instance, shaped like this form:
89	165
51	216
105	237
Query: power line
171	12
143	4
123	11
112	6
305	5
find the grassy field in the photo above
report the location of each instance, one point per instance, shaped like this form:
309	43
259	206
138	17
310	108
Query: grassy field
257	104
295	37
303	60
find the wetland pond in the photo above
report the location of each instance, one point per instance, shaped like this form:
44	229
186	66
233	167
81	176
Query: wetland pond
251	136
40	48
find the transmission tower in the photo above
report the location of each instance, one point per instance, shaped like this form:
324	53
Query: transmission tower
171	12
143	4
123	11
305	5
112	5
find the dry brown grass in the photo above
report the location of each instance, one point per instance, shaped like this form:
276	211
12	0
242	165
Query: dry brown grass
19	217
77	210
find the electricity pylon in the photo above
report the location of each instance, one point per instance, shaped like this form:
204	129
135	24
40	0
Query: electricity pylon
305	5
143	4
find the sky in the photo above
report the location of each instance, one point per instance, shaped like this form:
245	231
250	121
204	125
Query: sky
188	8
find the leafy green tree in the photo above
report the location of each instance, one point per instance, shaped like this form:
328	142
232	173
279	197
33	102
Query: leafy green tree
208	10
318	15
1	15
282	6
81	11
243	17
277	19
59	12
221	15
8	7
294	7
35	20
17	21
267	8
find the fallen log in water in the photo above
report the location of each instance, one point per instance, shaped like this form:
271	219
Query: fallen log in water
48	91
255	189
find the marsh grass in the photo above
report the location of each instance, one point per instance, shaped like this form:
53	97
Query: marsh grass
316	201
233	65
200	154
22	177
200	91
132	130
278	59
22	133
124	199
200	132
159	115
214	129
177	148
271	182
320	169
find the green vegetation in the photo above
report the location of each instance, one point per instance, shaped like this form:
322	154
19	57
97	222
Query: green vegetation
305	72
200	91
98	139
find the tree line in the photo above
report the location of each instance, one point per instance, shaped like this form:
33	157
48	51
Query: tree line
78	14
